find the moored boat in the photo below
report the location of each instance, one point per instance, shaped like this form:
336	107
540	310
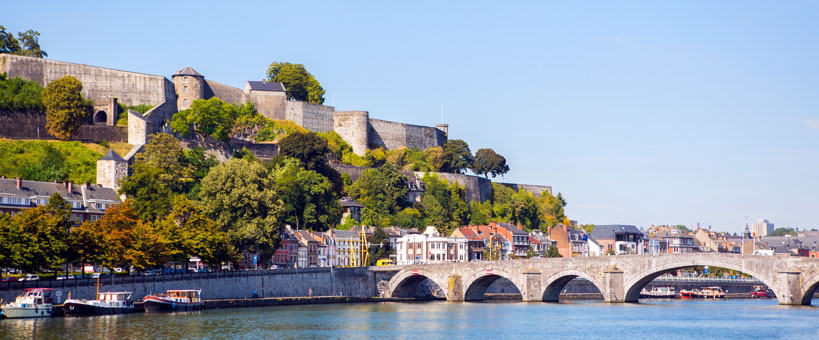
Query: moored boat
658	293
33	303
715	292
761	292
173	301
689	293
107	303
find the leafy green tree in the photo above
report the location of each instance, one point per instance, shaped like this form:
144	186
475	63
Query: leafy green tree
16	246
151	199
382	191
552	209
515	206
408	218
480	213
30	43
299	84
127	241
18	94
784	232
242	199
456	156
588	228
209	117
51	167
308	197
200	164
45	247
487	162
311	150
65	107
444	205
190	233
552	251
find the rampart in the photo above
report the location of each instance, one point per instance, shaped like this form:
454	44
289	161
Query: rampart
23	125
99	83
393	135
313	117
477	188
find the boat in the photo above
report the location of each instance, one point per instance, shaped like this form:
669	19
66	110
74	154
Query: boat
107	303
761	292
689	293
173	301
33	303
658	293
715	292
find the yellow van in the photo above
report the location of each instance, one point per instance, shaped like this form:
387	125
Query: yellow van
384	262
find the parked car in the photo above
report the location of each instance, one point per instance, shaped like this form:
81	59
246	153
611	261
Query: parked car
95	275
30	277
11	279
64	277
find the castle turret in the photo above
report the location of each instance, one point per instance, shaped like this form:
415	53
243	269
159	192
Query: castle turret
111	168
190	86
352	127
444	128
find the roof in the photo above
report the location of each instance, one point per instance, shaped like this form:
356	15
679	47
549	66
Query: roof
46	189
533	240
266	86
513	229
112	156
347	202
607	232
187	71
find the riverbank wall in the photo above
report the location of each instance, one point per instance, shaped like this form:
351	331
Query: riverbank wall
343	282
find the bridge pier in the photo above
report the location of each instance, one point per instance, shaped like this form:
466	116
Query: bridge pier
455	289
615	290
789	290
532	290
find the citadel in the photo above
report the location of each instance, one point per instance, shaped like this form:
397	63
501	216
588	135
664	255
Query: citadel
108	87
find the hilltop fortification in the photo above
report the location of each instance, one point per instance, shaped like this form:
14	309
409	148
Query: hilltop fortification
170	96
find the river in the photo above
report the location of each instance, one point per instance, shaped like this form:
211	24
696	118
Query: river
668	319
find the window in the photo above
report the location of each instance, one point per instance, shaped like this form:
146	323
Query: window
185	89
184	79
184	102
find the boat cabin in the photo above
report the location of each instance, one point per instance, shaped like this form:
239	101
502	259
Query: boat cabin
37	295
183	295
114	296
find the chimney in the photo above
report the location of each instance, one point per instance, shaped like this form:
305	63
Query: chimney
2	176
70	187
19	183
87	185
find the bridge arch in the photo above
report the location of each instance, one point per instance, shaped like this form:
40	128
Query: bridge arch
809	288
476	284
636	281
554	284
408	279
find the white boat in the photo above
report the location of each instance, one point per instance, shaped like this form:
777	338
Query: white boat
659	293
33	303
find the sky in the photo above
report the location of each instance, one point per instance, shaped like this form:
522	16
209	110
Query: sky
641	113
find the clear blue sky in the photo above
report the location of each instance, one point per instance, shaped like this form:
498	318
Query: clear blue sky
638	112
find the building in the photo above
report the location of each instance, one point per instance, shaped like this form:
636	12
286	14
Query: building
430	247
350	209
347	248
308	249
570	242
287	254
619	239
595	248
762	227
88	202
518	239
669	240
475	244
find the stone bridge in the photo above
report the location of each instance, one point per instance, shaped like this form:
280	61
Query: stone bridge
619	278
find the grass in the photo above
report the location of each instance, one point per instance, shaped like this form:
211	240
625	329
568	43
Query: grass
53	160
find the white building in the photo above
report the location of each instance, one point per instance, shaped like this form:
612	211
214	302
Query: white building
762	228
430	247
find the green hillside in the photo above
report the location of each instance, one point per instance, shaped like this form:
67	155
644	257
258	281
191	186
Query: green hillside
49	161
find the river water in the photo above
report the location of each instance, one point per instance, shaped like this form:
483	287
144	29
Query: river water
668	319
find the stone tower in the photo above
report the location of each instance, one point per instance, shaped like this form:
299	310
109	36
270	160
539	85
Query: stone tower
189	85
352	126
111	168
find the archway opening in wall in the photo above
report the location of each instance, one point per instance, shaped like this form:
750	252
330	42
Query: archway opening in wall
571	288
100	117
492	288
419	287
810	293
697	282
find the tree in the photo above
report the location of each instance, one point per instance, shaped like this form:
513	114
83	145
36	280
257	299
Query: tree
43	246
128	241
299	84
165	153
487	162
151	199
408	218
456	156
65	107
515	206
311	150
30	43
382	191
190	233
552	209
784	232
552	251
308	197
241	198
208	117
444	205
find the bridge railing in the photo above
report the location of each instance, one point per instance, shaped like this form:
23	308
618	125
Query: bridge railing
705	279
